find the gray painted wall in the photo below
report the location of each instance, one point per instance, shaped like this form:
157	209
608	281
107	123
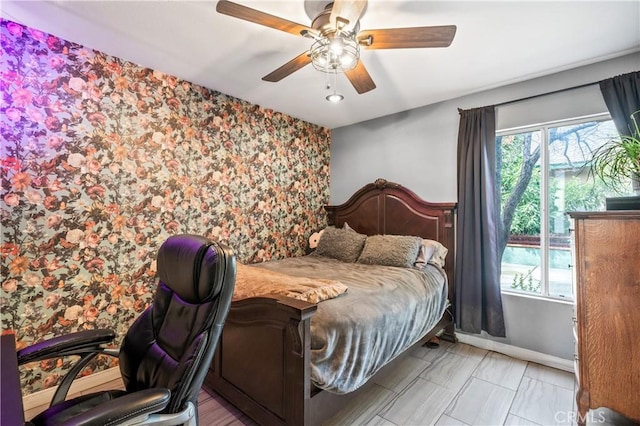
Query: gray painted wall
418	149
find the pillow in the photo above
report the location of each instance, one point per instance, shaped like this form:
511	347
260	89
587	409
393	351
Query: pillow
431	251
390	250
340	244
313	240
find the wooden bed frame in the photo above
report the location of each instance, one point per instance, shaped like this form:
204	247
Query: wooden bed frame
262	363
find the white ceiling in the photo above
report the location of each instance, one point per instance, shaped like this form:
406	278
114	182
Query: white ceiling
496	43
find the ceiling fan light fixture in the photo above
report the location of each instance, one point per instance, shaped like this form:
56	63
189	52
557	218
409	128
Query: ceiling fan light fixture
336	46
335	53
334	98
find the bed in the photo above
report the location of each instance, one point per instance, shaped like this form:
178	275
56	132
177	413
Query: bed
263	364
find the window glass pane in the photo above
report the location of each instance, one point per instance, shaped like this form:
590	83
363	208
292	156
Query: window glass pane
556	160
571	188
518	161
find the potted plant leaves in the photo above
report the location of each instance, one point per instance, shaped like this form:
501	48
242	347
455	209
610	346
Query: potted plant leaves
618	161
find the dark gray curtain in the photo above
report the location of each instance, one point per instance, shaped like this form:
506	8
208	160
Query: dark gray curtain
477	273
622	97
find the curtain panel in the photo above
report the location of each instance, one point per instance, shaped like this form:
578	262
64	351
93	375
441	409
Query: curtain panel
477	272
622	96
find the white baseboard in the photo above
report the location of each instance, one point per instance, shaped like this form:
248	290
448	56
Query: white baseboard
80	385
517	352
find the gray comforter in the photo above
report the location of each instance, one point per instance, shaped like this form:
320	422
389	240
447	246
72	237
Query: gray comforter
385	310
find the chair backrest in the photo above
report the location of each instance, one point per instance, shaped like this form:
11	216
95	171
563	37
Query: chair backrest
172	343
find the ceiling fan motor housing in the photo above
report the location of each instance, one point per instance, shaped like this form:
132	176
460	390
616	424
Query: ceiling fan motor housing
322	23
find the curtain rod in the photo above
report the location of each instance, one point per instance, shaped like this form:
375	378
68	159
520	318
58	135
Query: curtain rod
548	93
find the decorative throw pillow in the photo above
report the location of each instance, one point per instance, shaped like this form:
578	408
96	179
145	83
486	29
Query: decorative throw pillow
340	244
424	254
431	251
390	250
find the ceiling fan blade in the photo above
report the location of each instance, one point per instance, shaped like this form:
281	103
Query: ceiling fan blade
252	15
289	68
349	10
404	38
360	78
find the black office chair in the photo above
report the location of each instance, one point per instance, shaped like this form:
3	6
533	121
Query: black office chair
167	351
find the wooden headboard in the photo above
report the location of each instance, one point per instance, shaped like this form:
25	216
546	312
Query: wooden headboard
385	207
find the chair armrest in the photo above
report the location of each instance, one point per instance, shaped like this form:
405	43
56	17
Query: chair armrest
71	344
121	410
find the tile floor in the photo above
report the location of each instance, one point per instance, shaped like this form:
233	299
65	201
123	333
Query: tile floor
455	384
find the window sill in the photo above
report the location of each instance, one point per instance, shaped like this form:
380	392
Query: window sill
561	300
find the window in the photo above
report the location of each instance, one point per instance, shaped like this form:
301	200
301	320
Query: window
543	173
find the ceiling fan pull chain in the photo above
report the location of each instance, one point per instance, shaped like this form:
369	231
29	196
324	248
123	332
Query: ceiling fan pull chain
334	97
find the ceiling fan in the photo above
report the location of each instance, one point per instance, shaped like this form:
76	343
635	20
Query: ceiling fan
338	39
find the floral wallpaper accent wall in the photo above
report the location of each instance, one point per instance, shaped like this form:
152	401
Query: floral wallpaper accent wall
102	160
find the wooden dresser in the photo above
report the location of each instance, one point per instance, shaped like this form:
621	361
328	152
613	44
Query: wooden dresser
607	321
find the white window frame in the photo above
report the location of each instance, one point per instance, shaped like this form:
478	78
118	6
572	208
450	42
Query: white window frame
543	128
